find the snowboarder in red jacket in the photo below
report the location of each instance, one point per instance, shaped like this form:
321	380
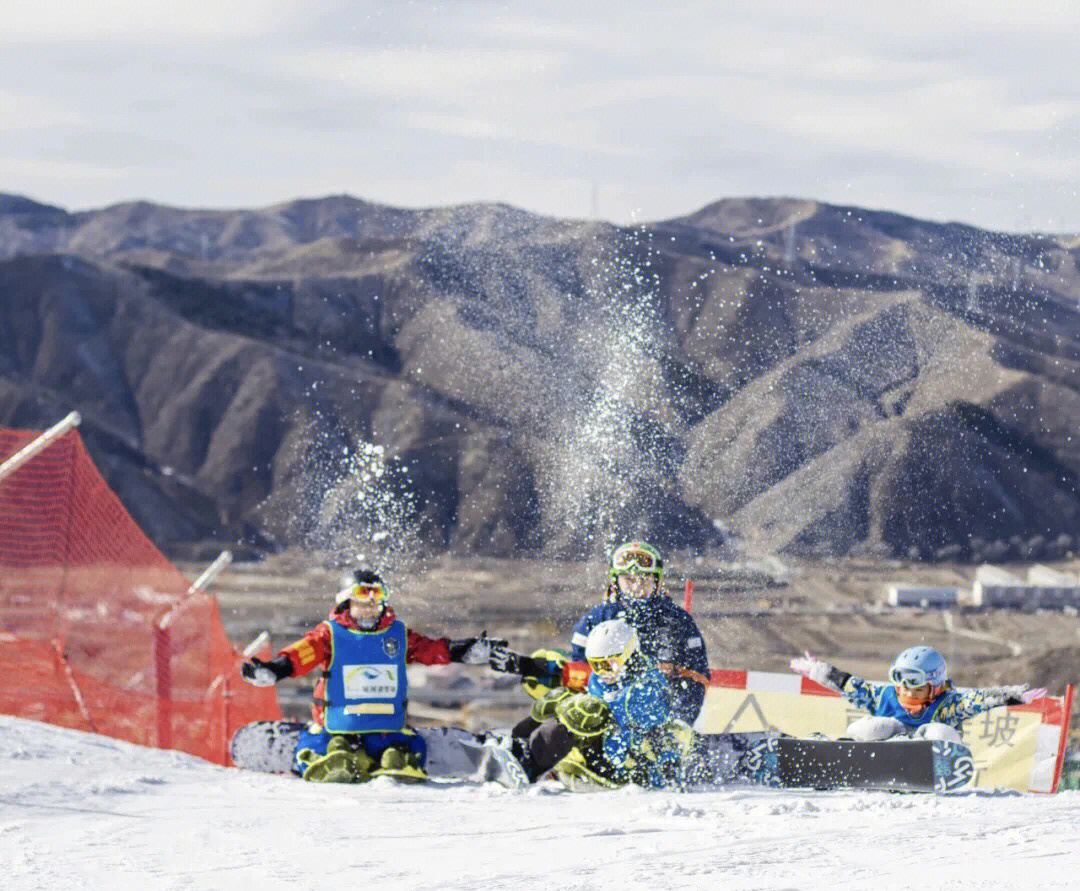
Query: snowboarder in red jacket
358	728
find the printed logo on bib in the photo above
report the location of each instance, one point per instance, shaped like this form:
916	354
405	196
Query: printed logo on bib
390	646
370	681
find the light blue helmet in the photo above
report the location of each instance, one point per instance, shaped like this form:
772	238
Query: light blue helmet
917	666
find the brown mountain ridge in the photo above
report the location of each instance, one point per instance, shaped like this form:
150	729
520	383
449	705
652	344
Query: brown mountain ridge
776	375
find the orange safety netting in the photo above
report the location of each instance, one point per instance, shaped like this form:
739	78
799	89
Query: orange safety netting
98	630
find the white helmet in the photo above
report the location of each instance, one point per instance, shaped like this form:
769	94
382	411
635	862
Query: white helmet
609	646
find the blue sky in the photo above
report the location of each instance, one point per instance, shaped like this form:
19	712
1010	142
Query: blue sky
622	110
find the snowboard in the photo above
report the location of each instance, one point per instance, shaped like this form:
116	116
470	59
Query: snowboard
452	752
909	765
493	762
456	754
265	746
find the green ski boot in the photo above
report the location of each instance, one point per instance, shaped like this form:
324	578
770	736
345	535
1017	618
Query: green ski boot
333	767
340	764
400	764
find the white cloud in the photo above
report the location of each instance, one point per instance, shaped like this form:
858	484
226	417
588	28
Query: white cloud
974	16
553	131
428	74
19	112
44	171
53	21
957	122
916	21
573	34
660	110
1038	117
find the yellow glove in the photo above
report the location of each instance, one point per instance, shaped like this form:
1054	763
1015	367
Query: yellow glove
584	715
544	707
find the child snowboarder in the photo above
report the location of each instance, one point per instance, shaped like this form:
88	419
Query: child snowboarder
358	727
666	633
919	701
621	730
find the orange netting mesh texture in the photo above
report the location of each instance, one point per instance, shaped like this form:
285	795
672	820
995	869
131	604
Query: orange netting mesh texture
97	628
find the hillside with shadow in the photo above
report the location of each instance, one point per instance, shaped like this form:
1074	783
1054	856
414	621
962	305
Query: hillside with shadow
764	376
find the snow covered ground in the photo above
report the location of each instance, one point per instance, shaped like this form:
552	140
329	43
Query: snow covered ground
82	811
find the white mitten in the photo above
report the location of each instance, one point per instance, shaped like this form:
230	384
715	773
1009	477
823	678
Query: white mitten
1019	694
1014	694
474	650
259	673
810	666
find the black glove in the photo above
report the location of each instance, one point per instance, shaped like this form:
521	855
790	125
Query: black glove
500	658
473	650
546	671
266	674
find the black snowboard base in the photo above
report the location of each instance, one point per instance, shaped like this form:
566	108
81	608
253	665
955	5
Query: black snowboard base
911	765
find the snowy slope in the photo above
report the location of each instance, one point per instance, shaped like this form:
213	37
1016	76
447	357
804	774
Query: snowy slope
81	811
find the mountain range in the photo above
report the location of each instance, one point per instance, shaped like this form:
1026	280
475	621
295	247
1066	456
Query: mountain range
762	376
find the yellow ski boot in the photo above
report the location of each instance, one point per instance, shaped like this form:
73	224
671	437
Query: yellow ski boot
401	764
333	767
575	773
340	764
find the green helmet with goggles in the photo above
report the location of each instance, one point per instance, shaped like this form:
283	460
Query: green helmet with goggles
636	558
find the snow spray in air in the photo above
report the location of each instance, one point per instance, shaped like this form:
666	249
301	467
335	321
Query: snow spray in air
606	469
356	504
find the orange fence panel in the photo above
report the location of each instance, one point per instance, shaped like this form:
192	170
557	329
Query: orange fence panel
97	628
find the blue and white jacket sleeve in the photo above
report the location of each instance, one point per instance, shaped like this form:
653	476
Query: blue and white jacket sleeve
644	707
862	694
961	704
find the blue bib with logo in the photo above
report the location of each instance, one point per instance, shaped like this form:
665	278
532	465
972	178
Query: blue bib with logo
366	687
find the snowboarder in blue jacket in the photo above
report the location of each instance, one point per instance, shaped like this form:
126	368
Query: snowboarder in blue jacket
622	729
919	700
667	633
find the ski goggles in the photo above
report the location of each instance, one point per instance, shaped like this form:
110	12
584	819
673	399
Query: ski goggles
909	678
606	665
367	594
633	560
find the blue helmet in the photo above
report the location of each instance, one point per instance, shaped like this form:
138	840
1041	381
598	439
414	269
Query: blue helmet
917	666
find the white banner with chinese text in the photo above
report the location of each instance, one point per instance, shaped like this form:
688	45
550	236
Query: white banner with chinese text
1018	747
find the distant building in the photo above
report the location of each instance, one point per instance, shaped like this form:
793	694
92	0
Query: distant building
922	596
1051	578
988	574
1044	588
